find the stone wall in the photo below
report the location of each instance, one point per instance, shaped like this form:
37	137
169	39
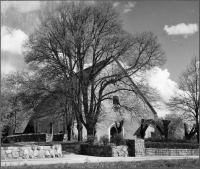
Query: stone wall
104	151
33	151
139	148
119	151
136	147
171	152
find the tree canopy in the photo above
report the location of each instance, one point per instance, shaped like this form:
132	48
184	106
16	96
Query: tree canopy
78	34
187	98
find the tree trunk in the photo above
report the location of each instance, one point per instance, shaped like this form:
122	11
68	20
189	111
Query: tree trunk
197	132
69	131
80	131
91	131
165	125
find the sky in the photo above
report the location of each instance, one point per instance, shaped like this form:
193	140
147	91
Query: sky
176	23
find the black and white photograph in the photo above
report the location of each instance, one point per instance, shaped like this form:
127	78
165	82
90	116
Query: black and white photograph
100	84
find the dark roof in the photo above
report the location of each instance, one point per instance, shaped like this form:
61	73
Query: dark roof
137	133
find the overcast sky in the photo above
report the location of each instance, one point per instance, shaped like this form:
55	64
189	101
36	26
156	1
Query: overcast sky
176	23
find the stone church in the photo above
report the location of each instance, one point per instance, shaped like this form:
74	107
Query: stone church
106	126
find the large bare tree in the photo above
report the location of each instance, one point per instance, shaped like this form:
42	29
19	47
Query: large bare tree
187	98
13	111
77	34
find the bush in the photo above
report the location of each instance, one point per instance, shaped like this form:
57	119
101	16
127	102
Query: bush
169	145
169	140
27	138
58	137
91	139
104	139
118	140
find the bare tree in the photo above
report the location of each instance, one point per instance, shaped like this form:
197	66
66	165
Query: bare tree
76	34
187	99
46	97
13	112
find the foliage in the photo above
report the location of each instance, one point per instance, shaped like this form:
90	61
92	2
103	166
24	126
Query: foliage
168	141
91	139
176	126
78	34
171	145
27	138
118	140
178	164
58	137
104	139
13	111
187	98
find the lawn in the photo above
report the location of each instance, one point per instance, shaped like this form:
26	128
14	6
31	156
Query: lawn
175	164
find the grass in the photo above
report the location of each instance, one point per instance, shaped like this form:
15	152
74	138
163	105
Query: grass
161	164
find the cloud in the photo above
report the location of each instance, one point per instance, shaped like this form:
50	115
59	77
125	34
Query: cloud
128	7
12	40
7	68
11	62
116	4
22	6
181	29
160	79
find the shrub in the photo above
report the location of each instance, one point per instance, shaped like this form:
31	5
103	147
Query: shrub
104	139
91	139
118	140
169	145
27	138
169	140
58	137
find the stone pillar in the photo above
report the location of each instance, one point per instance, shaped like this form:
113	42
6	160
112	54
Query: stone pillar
139	148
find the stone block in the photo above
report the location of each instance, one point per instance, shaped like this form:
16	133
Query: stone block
15	149
40	148
15	154
52	154
10	156
26	156
47	154
3	155
41	154
9	148
35	153
21	153
47	147
26	151
9	151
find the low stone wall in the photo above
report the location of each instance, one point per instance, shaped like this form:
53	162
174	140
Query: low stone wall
171	152
104	151
119	151
32	151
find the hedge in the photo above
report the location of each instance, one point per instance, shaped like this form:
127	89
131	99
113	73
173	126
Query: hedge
169	140
33	137
169	145
26	138
58	137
